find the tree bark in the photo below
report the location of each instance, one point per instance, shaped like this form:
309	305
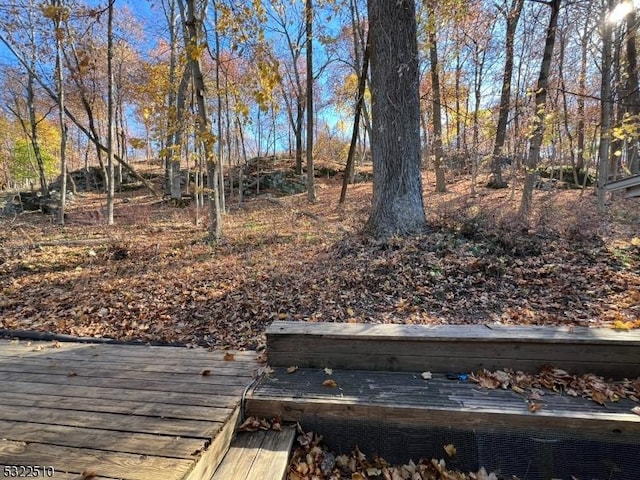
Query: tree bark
397	205
512	16
193	24
362	82
605	109
438	151
311	185
110	180
540	113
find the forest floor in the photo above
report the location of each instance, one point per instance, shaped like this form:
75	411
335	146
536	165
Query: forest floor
155	277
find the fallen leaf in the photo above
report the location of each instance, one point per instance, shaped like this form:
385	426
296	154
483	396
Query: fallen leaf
329	383
206	373
426	375
328	371
636	410
88	474
534	407
292	369
229	357
350	312
450	449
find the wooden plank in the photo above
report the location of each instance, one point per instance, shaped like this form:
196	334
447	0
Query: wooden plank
81	437
632	192
452	348
183	366
81	370
164	410
480	333
160	354
273	456
212	457
622	183
261	454
125	384
408	399
108	464
93	393
240	457
399	363
110	421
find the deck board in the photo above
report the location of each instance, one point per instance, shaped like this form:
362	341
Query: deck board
407	398
453	348
123	412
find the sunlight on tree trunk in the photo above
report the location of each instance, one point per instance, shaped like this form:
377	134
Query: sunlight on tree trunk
605	108
542	86
438	152
512	16
397	205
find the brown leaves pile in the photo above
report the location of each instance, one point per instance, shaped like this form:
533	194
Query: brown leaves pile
312	461
253	424
533	386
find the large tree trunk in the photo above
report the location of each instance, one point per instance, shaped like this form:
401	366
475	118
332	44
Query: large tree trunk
538	121
512	16
397	206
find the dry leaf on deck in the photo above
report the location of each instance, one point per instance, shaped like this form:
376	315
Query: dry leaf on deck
328	371
636	410
426	375
229	357
292	369
206	373
535	407
329	383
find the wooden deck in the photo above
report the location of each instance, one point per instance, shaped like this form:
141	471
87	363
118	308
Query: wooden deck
453	348
381	403
121	412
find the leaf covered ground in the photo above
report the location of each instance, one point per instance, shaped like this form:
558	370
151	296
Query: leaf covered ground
154	276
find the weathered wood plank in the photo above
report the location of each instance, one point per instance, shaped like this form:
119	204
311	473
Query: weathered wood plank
212	457
242	369
408	399
164	410
238	460
125	384
159	354
108	464
99	439
454	348
272	458
622	183
480	333
194	377
110	421
93	393
400	363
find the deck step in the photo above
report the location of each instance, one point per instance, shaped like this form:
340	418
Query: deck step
260	455
453	348
400	415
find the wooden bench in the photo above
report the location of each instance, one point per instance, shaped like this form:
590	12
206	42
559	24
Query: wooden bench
453	348
260	455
